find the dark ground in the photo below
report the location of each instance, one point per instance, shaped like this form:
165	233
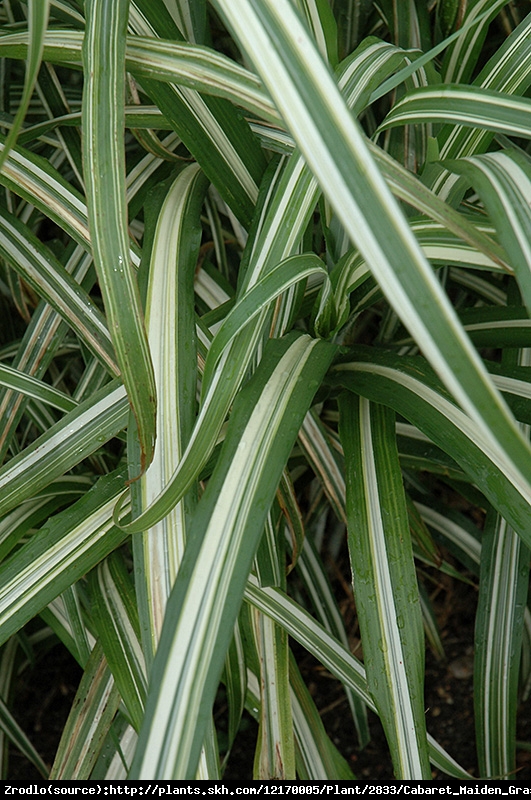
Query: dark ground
43	702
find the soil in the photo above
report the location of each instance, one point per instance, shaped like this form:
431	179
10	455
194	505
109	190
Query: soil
44	696
42	699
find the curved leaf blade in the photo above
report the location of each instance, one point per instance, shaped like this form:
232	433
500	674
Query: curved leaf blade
104	173
472	107
334	148
65	549
503	181
204	603
410	388
38	11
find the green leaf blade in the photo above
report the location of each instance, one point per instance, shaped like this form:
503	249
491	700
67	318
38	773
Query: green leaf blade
205	600
38	11
385	582
334	148
104	172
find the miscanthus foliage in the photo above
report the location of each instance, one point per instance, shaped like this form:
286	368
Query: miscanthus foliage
265	281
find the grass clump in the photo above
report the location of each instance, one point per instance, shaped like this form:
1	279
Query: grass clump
266	288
